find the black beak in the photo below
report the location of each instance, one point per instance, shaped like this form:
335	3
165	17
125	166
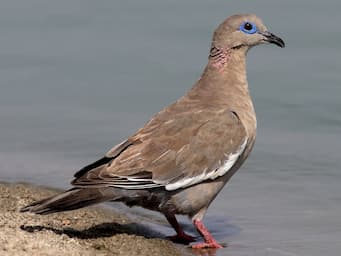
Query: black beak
272	39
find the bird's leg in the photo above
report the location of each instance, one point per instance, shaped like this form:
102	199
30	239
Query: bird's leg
181	236
210	242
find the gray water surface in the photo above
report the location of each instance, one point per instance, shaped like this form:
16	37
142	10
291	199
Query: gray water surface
77	77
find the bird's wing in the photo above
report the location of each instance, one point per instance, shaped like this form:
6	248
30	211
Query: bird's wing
172	151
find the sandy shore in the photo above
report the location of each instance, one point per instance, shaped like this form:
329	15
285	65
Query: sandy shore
88	231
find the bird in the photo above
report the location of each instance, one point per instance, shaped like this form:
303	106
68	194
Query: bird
180	160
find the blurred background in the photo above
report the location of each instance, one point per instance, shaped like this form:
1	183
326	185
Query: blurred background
77	77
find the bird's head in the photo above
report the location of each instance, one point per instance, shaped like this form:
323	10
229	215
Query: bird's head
243	31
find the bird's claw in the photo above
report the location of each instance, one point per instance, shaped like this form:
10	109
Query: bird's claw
182	238
212	244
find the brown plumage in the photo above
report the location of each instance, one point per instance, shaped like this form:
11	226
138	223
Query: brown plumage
179	161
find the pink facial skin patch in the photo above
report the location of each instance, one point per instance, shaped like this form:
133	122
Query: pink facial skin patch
219	57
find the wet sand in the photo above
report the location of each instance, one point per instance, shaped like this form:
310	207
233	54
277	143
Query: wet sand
88	231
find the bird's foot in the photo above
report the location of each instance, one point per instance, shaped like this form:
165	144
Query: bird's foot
212	244
182	238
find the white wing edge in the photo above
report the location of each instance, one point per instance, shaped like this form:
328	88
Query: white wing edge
226	166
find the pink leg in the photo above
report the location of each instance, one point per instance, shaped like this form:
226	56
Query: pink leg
181	236
210	242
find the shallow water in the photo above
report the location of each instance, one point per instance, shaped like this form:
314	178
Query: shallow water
78	77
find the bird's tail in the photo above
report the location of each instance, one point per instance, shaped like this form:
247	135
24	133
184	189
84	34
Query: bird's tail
70	200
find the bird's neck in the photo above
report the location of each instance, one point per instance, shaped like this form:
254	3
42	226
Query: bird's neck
224	77
226	62
223	84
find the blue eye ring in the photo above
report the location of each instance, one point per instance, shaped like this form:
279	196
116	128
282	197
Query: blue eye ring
248	27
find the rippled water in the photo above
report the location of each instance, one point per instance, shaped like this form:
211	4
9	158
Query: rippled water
77	77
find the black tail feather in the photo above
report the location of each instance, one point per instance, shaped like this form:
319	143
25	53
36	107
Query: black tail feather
70	200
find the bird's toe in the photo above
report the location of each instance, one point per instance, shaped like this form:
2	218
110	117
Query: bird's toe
182	238
207	245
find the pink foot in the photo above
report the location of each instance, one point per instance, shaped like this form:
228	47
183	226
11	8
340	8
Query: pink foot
210	242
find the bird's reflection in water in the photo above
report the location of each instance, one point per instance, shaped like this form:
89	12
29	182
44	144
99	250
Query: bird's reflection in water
205	252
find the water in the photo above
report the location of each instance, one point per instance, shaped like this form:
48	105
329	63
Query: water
77	77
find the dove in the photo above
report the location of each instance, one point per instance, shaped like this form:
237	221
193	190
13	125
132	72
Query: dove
183	156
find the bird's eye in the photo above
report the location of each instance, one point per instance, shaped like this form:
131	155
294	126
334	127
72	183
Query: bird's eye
248	27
